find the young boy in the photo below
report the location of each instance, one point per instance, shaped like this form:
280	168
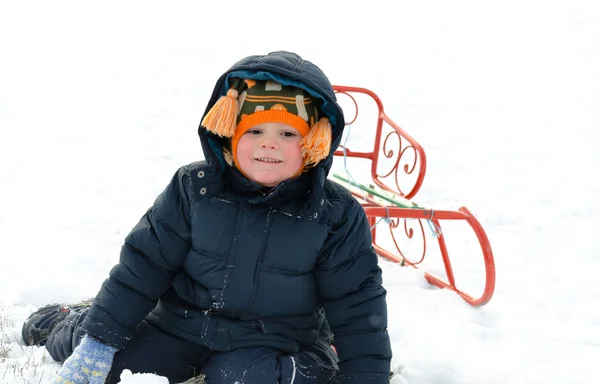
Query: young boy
248	262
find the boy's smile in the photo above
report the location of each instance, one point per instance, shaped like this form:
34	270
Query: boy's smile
270	153
268	160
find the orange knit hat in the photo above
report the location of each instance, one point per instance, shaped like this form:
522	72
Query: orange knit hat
252	102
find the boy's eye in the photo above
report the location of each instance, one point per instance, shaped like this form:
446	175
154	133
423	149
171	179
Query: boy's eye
288	134
254	131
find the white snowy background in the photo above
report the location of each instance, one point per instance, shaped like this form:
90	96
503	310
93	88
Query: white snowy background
100	102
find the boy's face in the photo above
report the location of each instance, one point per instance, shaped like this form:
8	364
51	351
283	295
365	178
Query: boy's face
270	153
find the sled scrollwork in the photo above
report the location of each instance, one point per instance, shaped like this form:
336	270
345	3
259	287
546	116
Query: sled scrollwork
408	222
397	147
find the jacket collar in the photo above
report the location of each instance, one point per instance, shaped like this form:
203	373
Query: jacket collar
288	192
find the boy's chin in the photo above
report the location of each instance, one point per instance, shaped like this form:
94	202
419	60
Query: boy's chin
267	179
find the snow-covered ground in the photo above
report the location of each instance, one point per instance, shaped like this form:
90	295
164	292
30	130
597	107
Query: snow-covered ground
99	105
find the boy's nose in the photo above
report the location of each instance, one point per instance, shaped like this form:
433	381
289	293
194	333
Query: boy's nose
268	142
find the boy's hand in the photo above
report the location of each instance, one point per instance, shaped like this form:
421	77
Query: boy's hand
90	363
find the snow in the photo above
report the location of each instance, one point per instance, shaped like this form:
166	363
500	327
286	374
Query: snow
99	105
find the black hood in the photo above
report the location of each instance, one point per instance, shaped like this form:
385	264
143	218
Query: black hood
286	68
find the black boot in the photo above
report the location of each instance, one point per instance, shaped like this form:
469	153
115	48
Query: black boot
40	323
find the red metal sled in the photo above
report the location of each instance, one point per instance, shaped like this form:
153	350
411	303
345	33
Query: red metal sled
392	167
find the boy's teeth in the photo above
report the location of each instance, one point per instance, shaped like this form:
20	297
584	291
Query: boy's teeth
268	160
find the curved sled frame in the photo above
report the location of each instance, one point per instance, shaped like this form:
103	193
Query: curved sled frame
402	214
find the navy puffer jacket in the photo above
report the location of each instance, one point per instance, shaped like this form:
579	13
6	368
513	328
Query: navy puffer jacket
223	262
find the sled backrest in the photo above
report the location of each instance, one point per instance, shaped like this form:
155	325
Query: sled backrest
398	161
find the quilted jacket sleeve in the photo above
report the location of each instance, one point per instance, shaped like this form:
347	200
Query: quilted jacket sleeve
350	283
151	254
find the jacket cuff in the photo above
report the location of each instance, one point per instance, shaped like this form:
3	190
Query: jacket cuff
98	331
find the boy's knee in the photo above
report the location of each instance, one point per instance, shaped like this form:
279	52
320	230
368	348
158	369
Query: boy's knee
265	365
247	365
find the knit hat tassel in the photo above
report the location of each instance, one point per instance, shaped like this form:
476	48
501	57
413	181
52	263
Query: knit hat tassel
317	143
222	117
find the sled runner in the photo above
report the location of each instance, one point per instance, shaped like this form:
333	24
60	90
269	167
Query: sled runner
397	170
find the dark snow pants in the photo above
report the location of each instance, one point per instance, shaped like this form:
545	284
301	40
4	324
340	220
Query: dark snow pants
153	351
